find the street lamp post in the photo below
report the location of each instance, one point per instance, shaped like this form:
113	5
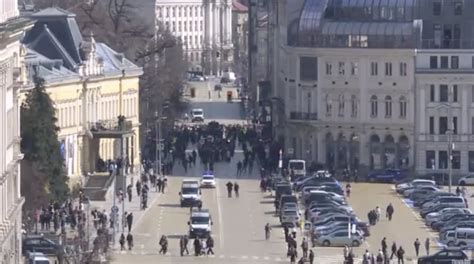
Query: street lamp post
450	133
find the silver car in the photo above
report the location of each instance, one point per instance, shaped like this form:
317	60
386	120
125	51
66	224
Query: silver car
340	239
436	216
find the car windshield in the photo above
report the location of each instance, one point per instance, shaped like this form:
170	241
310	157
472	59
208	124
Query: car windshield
289	212
296	165
200	220
208	178
189	190
197	112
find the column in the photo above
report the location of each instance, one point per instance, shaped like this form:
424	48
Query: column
422	116
321	147
229	24
464	114
364	153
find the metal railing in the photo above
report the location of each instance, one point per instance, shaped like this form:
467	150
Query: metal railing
111	125
303	116
447	44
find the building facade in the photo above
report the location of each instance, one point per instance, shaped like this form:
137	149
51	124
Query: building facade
205	30
240	37
90	85
347	84
11	70
445	88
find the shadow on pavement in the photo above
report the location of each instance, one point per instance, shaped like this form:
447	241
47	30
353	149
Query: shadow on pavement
266	202
170	205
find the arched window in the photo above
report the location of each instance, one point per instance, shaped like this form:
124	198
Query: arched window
354	106
341	105
388	106
373	106
403	107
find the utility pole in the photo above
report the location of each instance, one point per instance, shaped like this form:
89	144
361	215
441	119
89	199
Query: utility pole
450	133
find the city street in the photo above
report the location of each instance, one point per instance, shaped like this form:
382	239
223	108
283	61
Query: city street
239	223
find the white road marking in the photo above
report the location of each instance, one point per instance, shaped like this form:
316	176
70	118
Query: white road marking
219	215
255	257
245	257
221	256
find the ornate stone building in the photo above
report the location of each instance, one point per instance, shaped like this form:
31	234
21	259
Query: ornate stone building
205	30
12	71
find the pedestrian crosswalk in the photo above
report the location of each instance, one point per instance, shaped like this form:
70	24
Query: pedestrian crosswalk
330	259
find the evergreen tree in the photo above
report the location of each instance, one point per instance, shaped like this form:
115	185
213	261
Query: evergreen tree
43	177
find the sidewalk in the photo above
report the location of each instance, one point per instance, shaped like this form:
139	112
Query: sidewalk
130	207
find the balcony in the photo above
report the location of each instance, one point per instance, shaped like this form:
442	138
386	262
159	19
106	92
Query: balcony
303	116
111	128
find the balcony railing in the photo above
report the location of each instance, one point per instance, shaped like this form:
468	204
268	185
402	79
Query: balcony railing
303	116
447	44
110	125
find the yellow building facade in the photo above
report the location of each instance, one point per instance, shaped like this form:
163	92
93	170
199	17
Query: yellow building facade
91	85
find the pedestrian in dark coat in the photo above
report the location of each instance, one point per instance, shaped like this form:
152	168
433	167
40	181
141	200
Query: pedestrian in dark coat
417	246
229	189
122	242
210	245
129	222
390	212
384	245
400	255
427	246
130	241
394	250
311	256
236	189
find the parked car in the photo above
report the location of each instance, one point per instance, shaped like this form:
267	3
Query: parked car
402	187
433	217
449	200
466	180
390	175
340	238
430	197
446	256
432	188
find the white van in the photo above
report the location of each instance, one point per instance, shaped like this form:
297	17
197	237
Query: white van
297	166
463	237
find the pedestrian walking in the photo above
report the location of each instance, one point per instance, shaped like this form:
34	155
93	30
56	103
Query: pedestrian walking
394	250
210	245
130	241
380	257
267	231
378	213
229	189
236	189
129	192
348	190
292	254
305	247
400	255
181	246
389	212
185	242
427	246
311	256
417	246
122	242
164	245
129	222
197	247
384	245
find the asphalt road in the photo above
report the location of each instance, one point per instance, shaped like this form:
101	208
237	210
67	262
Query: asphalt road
239	223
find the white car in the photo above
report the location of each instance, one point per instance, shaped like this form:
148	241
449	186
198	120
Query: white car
208	181
197	114
466	180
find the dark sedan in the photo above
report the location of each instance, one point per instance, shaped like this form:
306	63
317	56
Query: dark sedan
40	244
446	256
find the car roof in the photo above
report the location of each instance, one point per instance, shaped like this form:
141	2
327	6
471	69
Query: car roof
197	109
190	185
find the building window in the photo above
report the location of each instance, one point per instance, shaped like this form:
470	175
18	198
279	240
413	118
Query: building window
388	106
456	160
200	25
432	125
373	106
354	106
437	8
443	125
191	57
471	161
309	68
455	93
403	107
458	8
388	69
454	62
190	26
179	26
374	71
179	11
444	62
443	159
328	68
354	68
328	105
455	124
341	105
443	93
173	26
403	69
432	93
341	67
430	159
172	11
433	62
